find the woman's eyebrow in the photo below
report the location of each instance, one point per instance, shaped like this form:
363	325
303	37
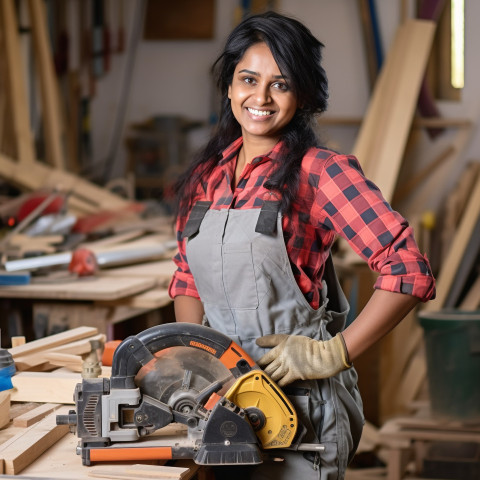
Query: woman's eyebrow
279	77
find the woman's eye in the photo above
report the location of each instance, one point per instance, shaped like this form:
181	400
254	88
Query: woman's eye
249	80
280	86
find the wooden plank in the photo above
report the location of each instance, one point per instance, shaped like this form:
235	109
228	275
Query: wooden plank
54	134
455	206
151	299
72	362
157	471
33	416
25	447
139	471
80	347
393	431
52	341
91	288
413	379
400	347
18	340
383	134
16	83
467	266
472	299
162	271
412	183
4	408
35	176
45	387
457	251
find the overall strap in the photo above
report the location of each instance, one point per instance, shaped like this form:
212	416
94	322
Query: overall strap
267	219
195	218
337	302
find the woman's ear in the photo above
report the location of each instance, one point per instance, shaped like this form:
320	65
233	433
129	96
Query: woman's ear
229	92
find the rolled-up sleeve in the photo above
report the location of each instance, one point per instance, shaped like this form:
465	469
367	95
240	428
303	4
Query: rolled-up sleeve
357	211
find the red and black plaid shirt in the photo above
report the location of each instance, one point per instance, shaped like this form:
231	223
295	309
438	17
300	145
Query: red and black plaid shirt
334	198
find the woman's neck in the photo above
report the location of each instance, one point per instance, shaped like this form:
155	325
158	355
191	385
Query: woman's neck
255	148
250	150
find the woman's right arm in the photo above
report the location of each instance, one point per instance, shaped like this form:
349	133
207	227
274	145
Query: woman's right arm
188	309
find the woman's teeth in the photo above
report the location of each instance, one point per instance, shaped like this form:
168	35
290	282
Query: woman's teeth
260	113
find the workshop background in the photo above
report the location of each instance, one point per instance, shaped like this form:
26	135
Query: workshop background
102	104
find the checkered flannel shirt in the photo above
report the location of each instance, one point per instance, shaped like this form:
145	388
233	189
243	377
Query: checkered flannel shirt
334	198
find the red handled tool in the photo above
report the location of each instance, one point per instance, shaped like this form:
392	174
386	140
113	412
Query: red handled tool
83	262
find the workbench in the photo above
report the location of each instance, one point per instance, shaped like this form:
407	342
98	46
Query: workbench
102	301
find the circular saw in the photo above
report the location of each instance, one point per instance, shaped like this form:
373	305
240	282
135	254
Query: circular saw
181	390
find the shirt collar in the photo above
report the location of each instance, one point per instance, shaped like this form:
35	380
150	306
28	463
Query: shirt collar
232	150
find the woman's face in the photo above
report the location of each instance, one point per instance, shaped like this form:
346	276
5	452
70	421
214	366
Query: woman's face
261	101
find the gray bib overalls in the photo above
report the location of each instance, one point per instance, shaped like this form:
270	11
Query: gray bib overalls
242	272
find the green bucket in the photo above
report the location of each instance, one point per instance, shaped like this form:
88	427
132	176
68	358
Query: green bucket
452	339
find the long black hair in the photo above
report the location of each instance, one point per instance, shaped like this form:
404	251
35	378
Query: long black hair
298	55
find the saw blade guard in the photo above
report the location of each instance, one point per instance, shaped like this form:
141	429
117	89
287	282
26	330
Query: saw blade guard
137	351
179	376
269	410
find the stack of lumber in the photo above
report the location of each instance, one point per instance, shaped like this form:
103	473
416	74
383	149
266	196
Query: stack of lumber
132	282
32	436
39	378
97	210
18	162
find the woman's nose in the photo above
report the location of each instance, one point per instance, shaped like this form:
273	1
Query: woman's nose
262	94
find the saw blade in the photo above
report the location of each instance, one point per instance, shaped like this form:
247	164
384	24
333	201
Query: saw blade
177	375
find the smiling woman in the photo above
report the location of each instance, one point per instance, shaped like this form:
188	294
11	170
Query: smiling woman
258	212
261	100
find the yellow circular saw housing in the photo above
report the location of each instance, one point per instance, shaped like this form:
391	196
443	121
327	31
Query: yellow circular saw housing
256	390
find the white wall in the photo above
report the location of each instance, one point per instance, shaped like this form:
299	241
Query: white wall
172	77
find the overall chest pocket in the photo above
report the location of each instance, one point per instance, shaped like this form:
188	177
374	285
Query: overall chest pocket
238	273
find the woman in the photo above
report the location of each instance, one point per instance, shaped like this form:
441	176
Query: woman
259	210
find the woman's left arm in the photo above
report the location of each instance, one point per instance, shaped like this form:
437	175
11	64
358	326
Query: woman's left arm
381	314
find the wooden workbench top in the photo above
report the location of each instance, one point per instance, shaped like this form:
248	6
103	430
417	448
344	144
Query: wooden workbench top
87	288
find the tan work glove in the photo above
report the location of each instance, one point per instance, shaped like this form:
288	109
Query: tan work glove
296	357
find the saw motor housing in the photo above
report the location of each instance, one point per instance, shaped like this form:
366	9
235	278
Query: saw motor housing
181	373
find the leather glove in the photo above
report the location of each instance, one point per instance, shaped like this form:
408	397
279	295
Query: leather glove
296	357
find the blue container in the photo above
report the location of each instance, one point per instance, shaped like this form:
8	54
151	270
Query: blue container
452	339
7	369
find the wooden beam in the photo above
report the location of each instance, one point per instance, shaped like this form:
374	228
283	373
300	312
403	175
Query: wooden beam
4	408
54	135
85	196
151	299
472	299
139	471
406	188
71	362
457	250
418	122
52	341
16	83
45	387
95	288
383	134
33	416
48	387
